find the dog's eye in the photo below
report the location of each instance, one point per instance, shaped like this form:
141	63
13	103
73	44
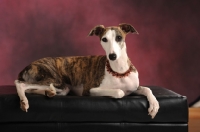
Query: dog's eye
104	40
118	38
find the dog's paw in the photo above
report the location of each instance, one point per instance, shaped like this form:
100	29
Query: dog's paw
153	106
63	92
118	93
24	105
51	91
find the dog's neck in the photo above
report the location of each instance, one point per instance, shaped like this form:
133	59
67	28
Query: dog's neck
122	64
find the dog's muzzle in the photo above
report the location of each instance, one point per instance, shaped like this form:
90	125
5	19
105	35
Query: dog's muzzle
112	56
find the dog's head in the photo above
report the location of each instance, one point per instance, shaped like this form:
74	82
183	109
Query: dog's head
113	38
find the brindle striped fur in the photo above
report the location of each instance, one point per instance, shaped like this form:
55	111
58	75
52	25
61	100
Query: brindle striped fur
81	70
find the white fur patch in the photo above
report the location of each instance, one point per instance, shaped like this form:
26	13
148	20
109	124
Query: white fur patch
111	46
127	84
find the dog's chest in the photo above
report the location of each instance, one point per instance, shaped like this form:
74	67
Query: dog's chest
127	84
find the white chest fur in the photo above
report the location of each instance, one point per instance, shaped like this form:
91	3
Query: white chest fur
127	84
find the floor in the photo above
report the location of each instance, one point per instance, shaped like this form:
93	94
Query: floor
194	120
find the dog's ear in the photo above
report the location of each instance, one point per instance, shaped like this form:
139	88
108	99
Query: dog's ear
127	28
97	30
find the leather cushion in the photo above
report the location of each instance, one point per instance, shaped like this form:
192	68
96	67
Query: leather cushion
133	108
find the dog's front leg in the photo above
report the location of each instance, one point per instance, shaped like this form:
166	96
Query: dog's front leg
153	103
99	91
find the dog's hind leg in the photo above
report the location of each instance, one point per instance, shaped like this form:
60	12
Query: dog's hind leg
22	87
21	93
49	93
63	91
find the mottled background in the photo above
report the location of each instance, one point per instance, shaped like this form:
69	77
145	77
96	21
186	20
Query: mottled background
166	51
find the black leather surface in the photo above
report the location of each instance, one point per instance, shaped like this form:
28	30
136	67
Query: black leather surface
93	127
133	108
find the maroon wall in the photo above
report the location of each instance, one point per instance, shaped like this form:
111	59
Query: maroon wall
166	52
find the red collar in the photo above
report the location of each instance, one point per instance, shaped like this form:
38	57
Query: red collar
116	74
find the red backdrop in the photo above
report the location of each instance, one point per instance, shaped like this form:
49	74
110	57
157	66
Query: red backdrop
166	51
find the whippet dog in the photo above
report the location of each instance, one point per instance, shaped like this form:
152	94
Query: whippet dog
111	75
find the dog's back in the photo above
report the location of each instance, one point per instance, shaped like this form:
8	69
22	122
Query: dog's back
74	71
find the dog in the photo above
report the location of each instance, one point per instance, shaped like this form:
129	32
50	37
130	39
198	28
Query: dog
111	75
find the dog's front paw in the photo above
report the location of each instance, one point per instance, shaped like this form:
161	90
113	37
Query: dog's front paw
24	105
153	106
118	93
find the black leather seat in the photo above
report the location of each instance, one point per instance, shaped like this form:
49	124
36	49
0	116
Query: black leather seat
94	114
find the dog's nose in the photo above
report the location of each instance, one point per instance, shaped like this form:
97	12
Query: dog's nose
112	56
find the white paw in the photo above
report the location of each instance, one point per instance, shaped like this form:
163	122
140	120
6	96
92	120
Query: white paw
118	93
153	106
63	92
24	105
51	91
52	88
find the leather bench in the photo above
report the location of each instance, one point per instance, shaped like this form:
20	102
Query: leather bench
93	114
